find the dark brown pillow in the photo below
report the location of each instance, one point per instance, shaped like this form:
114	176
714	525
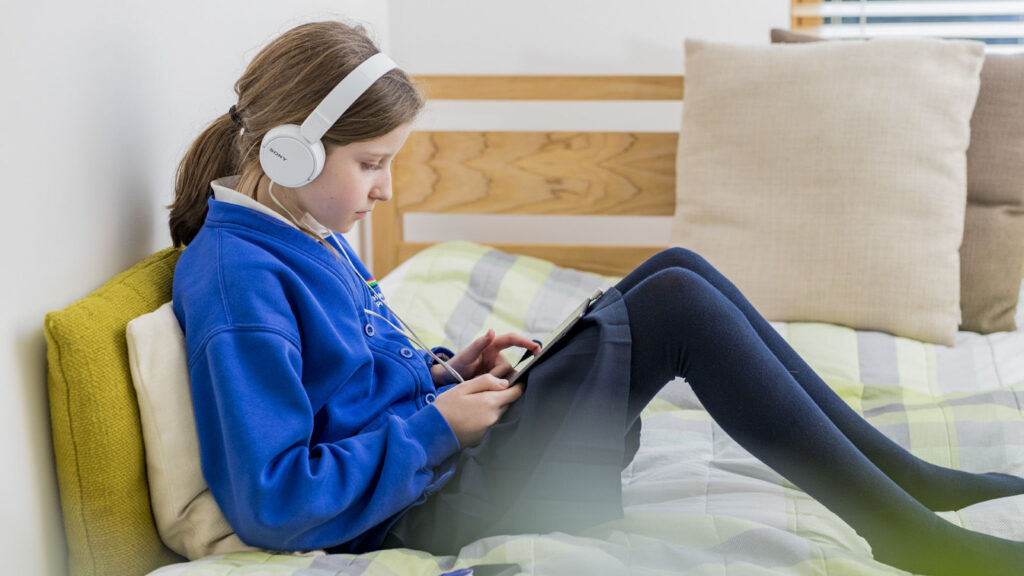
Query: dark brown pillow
992	253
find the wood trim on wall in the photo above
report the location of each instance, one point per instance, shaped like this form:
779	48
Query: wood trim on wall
592	173
804	23
447	87
621	173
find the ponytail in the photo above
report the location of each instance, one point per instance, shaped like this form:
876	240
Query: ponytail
212	155
282	84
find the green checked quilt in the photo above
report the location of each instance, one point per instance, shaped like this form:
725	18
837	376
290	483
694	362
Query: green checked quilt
695	502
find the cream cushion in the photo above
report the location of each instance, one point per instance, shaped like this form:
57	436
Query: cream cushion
993	249
828	180
187	517
992	252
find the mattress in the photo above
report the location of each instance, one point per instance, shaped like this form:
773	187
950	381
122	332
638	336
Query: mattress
695	501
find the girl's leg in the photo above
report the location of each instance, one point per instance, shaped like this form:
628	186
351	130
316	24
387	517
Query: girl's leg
706	339
936	487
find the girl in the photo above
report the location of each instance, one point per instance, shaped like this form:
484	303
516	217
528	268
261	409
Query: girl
322	427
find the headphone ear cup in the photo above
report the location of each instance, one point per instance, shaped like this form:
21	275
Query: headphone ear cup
290	160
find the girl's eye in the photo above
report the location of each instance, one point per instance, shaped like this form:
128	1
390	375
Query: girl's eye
369	166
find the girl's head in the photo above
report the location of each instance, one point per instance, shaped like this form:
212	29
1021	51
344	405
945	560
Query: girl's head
282	85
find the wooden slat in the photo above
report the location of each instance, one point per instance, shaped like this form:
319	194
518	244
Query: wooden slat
606	260
537	173
534	173
388	235
811	30
447	87
796	22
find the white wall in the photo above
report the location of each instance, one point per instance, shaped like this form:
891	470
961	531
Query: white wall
100	100
569	36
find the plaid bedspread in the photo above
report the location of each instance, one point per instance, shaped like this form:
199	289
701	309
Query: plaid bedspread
697	503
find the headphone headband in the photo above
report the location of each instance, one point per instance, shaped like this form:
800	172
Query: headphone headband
293	155
344	94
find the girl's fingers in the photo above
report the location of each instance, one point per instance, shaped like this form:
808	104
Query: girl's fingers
509	340
501	367
510	395
476	347
484	383
482	342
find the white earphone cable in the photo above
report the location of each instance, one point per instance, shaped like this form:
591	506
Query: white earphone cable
413	337
408	332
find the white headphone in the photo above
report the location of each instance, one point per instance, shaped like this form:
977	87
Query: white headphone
293	155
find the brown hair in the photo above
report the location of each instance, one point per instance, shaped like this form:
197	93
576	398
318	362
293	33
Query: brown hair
282	85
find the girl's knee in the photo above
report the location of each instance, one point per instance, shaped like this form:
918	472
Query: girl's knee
674	285
683	258
676	297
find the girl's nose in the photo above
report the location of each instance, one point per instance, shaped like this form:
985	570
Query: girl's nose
382	187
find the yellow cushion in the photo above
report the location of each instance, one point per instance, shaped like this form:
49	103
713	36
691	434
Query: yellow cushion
97	437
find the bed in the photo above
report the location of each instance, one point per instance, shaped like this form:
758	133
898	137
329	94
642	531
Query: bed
695	502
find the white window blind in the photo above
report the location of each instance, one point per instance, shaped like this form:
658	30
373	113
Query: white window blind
998	23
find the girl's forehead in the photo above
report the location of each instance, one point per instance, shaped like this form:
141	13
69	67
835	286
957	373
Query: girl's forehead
362	148
385	145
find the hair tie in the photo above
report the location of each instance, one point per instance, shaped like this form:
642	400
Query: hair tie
233	112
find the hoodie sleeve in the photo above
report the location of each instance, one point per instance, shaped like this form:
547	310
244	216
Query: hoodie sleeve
277	489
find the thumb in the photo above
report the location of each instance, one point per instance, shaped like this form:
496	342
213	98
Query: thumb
483	383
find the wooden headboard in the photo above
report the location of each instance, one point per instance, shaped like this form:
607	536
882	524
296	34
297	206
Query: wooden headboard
565	173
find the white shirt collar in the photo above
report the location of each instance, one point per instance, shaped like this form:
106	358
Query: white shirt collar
224	191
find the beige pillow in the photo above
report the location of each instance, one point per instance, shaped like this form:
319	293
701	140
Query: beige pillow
992	252
828	180
187	517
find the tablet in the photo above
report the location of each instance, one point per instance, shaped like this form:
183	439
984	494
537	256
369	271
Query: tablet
529	359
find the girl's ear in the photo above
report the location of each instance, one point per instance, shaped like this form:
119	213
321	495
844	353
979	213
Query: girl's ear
294	155
288	159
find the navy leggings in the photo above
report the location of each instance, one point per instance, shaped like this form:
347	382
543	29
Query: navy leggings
687	319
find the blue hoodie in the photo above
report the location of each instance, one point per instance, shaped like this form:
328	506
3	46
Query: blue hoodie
315	419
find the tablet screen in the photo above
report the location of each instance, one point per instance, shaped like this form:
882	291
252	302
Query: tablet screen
524	364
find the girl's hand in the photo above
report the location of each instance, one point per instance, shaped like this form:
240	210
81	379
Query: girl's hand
473	406
483	355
